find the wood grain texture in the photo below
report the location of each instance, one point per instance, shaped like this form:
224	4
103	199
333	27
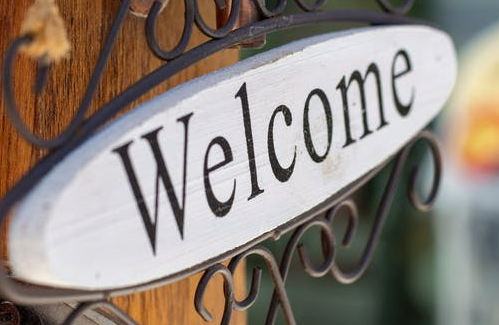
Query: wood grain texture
88	22
222	161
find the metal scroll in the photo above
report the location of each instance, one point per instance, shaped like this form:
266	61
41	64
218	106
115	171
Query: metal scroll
176	59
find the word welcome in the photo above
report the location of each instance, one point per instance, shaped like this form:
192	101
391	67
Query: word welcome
220	208
222	162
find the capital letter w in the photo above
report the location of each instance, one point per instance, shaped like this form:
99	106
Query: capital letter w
161	173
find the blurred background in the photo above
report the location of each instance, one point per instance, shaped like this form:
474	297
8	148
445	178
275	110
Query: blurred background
440	267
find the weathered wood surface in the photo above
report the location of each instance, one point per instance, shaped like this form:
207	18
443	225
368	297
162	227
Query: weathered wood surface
88	22
216	163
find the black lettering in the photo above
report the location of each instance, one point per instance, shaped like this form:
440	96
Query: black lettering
306	125
403	109
219	208
243	95
161	173
356	76
281	173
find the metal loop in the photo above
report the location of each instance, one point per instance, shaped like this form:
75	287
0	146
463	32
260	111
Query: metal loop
386	202
222	31
328	247
228	292
280	296
291	247
353	219
256	278
184	39
278	9
230	303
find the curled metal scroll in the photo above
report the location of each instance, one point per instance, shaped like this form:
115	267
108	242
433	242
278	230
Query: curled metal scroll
323	221
222	38
177	59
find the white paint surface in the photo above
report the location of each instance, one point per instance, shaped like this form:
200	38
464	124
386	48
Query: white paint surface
80	226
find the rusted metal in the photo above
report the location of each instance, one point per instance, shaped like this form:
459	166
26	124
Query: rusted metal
248	14
142	7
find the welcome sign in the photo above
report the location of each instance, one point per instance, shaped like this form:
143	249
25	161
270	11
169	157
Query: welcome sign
218	162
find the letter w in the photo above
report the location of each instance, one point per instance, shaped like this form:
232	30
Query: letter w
161	173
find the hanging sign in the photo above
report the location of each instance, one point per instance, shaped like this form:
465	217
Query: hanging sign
227	158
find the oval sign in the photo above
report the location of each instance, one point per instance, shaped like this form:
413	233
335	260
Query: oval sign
220	161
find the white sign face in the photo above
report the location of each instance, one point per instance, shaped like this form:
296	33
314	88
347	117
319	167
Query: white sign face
222	160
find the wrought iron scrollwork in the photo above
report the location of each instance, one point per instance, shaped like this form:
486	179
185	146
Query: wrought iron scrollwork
177	59
323	221
223	37
152	40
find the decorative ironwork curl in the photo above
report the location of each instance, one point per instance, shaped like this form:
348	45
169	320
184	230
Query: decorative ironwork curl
229	293
226	28
386	203
324	222
230	302
189	17
222	38
193	16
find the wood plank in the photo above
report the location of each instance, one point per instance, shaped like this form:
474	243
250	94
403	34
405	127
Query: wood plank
227	158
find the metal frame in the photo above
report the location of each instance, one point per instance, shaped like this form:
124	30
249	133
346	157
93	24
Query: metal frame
178	59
